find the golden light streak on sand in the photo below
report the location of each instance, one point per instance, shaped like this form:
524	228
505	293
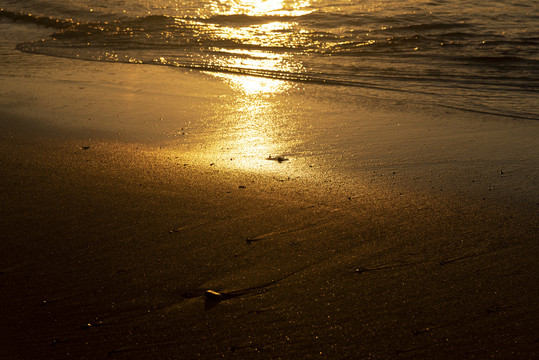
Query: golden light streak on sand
253	85
255	128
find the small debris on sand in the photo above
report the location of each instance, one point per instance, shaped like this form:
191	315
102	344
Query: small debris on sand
213	295
91	325
278	158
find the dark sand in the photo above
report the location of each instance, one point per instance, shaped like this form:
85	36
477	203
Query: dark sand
424	247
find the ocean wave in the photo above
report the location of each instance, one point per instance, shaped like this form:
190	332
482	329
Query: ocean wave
426	27
407	54
37	19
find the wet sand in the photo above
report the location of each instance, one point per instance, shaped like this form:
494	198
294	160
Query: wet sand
391	230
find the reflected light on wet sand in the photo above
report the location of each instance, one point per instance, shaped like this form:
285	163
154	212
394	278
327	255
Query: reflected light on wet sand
254	87
252	126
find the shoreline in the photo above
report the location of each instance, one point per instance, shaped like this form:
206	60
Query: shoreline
110	241
204	120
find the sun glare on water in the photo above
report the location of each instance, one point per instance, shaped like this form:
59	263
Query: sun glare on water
253	127
261	7
254	86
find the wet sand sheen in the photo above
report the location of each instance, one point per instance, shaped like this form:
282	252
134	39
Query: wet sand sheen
110	244
100	264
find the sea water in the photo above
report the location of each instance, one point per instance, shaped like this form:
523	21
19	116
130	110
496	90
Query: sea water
479	56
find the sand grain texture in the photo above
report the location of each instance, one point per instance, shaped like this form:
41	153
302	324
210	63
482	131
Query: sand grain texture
396	245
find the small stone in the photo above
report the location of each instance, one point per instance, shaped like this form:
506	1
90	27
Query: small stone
213	295
277	158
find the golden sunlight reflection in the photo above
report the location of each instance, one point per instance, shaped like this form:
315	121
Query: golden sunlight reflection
253	126
256	62
269	34
253	85
249	48
261	7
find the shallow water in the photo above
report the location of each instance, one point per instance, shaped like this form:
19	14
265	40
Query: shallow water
480	57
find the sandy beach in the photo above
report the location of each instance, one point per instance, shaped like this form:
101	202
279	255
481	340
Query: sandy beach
387	230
